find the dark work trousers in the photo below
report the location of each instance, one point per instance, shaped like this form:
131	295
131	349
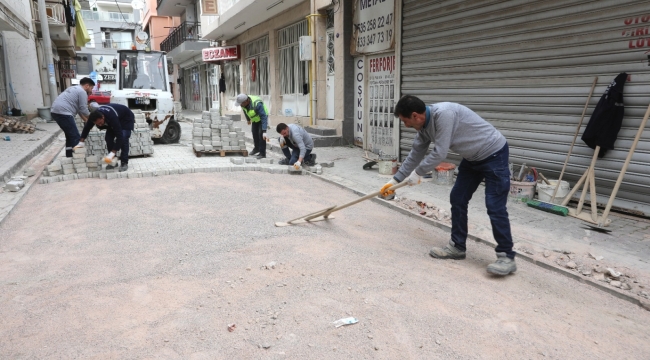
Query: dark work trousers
292	154
258	141
69	127
495	171
110	144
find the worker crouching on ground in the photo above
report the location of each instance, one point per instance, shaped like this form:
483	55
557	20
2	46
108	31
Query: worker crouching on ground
296	144
118	121
73	101
484	149
256	113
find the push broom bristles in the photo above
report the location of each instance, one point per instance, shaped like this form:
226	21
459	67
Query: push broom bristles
553	209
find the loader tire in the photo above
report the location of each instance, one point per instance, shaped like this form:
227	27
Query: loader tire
172	133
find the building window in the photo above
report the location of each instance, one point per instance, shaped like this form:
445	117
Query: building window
91	43
231	70
117	39
293	72
257	66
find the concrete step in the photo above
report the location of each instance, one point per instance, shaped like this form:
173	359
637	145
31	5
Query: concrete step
326	141
320	130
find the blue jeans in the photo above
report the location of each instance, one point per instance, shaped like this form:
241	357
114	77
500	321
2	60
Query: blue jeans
110	144
495	171
294	154
69	127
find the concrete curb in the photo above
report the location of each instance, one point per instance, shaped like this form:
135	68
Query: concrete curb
33	179
619	294
37	150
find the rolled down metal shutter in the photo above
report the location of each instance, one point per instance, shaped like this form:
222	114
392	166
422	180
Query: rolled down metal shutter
527	67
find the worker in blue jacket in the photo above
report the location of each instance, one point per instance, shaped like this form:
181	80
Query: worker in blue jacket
118	121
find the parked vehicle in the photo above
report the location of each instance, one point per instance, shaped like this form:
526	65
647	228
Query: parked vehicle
102	97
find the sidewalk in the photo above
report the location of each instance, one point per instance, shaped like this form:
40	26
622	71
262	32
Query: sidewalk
554	242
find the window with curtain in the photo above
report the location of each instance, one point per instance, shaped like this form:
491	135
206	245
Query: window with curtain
293	72
231	72
257	66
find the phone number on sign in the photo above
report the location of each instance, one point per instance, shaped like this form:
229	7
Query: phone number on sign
374	32
373	24
376	38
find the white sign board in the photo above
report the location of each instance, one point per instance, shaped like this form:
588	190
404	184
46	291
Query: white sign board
373	26
382	124
359	99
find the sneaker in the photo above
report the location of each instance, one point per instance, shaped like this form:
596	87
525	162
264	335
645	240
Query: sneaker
110	167
254	152
450	251
503	266
124	167
261	156
312	161
283	162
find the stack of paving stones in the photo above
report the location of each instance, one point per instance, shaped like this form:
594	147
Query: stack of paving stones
140	142
213	133
79	166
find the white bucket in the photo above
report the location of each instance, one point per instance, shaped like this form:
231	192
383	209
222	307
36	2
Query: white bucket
387	167
545	192
522	189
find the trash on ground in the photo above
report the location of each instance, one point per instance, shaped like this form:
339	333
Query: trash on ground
345	321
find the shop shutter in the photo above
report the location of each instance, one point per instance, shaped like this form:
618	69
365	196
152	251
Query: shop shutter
527	67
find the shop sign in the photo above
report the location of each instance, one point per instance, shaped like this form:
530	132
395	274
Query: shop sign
373	26
221	53
68	73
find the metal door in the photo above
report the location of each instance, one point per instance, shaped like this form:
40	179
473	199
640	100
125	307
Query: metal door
527	67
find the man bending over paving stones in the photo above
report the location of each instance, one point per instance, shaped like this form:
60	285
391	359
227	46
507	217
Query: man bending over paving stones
257	113
484	149
118	122
296	144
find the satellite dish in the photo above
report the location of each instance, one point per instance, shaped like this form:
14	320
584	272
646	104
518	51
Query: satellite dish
137	4
141	37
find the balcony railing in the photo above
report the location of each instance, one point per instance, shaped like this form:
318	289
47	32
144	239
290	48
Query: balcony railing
110	44
90	15
55	13
187	31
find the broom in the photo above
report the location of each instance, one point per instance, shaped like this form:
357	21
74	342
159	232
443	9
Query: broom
548	207
552	208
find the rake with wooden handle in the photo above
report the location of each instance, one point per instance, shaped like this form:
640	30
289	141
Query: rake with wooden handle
325	214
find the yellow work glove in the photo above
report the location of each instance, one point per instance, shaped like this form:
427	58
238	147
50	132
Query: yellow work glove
384	190
414	179
109	158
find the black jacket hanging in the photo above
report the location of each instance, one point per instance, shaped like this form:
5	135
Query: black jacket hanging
607	117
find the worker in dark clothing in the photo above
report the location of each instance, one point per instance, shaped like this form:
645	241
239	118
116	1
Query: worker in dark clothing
118	121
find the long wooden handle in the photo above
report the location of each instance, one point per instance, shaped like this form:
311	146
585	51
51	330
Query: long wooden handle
624	169
394	187
575	136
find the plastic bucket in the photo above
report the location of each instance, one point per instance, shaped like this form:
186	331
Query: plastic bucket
444	174
44	113
521	189
545	192
387	167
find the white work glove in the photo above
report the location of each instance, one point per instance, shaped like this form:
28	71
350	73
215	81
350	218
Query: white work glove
414	179
296	165
283	142
384	189
264	137
80	145
109	158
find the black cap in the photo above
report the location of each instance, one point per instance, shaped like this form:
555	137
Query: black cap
87	80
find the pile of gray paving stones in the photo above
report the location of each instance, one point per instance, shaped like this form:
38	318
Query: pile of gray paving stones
213	132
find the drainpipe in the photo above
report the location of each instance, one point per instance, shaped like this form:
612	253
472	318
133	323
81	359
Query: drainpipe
313	71
47	49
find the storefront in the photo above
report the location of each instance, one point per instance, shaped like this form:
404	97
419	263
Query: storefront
528	67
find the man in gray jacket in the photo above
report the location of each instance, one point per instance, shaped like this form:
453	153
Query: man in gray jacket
299	141
484	149
73	101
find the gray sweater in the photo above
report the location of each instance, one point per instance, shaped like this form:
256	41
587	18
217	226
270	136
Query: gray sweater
72	101
451	127
300	138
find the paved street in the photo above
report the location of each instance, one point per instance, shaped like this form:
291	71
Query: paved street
160	268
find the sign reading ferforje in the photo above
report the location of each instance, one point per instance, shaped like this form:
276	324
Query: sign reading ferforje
221	53
373	26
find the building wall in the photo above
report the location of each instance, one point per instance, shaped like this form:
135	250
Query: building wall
23	67
159	28
270	28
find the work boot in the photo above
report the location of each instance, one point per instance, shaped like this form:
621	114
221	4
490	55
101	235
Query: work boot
254	152
450	251
110	167
261	156
283	162
312	160
124	167
503	266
